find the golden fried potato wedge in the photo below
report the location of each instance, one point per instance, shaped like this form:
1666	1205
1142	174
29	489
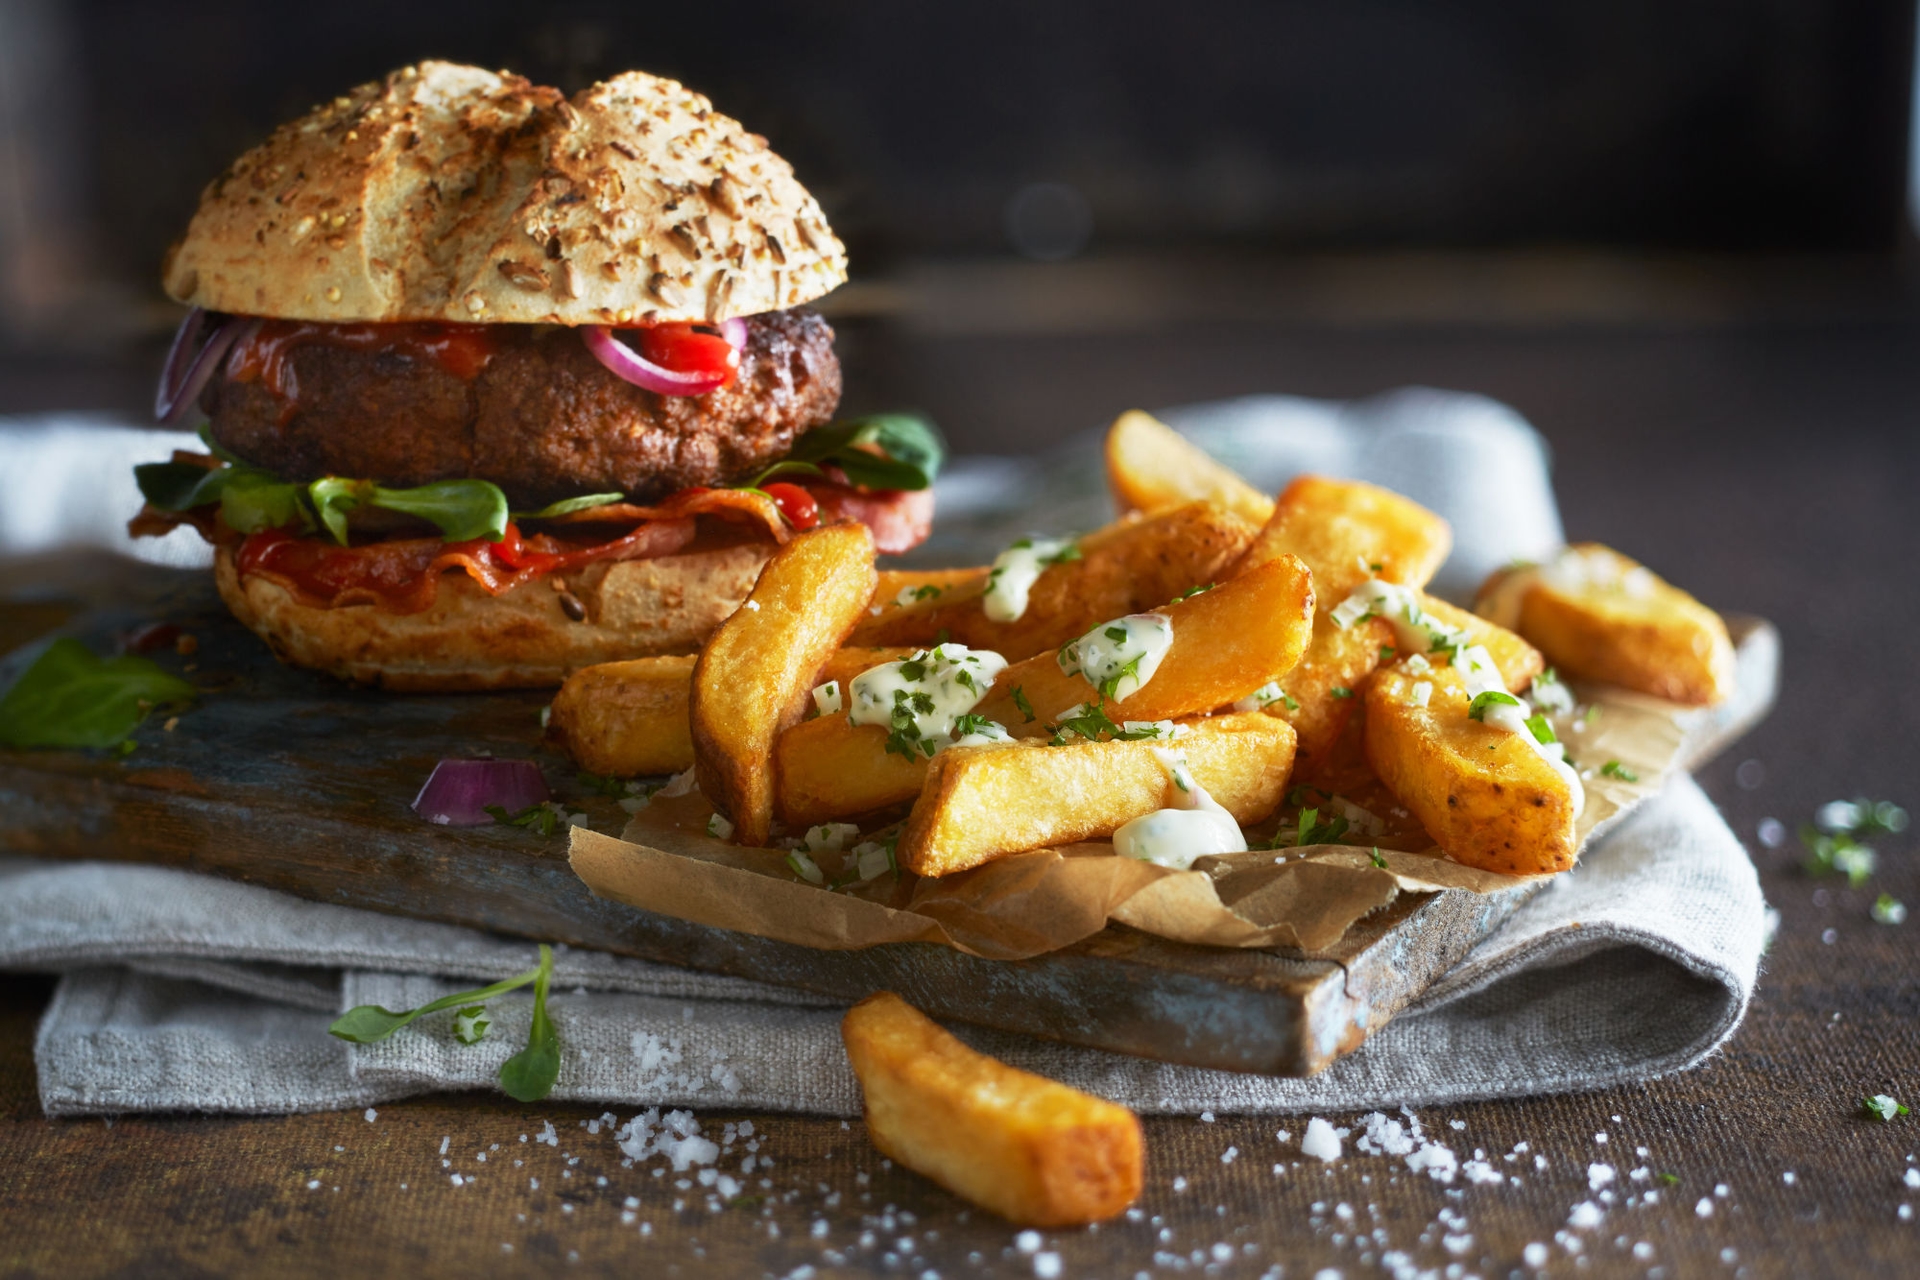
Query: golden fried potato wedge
1227	643
1519	662
982	803
1032	1150
1599	615
1130	565
901	587
755	676
630	719
1346	532
1151	467
1319	695
626	719
1485	796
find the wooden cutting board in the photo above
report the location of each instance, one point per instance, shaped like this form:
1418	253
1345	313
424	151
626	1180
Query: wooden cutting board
295	782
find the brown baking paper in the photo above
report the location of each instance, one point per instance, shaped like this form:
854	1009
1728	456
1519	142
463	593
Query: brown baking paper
1031	903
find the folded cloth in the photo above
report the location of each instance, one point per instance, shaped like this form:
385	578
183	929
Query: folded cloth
187	992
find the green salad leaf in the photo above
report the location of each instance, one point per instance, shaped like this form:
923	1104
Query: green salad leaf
70	697
909	452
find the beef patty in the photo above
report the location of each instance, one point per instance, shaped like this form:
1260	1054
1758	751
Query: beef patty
543	419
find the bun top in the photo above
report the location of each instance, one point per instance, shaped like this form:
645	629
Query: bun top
446	192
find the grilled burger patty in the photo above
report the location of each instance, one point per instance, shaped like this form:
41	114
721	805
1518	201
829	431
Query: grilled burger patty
543	419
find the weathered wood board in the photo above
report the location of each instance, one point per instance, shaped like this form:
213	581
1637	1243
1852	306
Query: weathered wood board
292	781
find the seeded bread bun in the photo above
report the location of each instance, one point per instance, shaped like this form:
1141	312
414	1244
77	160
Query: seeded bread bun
447	192
469	640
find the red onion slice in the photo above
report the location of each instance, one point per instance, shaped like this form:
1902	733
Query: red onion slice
629	365
458	791
181	387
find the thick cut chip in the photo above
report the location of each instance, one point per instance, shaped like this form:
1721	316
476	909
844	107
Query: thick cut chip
630	719
982	803
1227	643
1151	467
757	673
1488	799
1319	695
1032	1150
626	719
1519	662
830	769
1130	565
1347	532
1598	615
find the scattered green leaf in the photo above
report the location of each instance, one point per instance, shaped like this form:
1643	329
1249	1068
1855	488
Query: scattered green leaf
1614	769
1882	1107
528	1075
69	697
1477	709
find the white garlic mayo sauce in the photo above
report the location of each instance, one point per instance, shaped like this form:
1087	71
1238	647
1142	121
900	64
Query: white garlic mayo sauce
1119	657
1014	572
1193	826
1262	698
1420	633
923	696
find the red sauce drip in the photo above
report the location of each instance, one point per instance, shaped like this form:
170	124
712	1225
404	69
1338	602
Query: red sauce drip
461	349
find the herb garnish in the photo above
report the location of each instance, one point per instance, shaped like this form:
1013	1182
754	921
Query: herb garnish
880	451
544	818
1614	769
1542	731
1882	1107
1020	701
1888	909
1313	831
71	698
527	1076
1491	698
1378	861
1341	691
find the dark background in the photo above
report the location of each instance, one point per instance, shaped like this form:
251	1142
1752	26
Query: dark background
1001	170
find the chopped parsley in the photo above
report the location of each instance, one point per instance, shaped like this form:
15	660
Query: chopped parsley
927	591
593	782
1292	704
1341	691
1882	1107
1614	769
1888	909
1191	592
1542	731
1592	716
1670	1179
1491	698
969	723
1378	861
544	818
1110	687
1386	653
1313	831
1020	701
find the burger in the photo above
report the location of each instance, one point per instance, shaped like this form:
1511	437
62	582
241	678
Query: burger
499	383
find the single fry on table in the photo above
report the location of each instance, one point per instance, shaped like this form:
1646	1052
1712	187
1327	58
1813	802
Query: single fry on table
757	673
1598	615
1032	1150
982	803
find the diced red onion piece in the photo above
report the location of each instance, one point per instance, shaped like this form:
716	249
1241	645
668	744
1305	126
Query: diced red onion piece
458	791
630	366
182	380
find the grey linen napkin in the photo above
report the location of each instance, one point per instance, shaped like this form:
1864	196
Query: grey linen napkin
186	992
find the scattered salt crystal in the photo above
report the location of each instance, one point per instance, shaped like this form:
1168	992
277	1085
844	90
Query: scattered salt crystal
1598	1176
1434	1160
1585	1214
1704	1208
444	1141
1481	1173
1906	1213
1322	1140
314	1185
1283	1136
1457	1245
1643	1250
1180	1184
546	1135
372	1115
1206	1117
1456	1124
1720	1190
1535	1254
1027	1242
1912	1177
1789	1177
1046	1266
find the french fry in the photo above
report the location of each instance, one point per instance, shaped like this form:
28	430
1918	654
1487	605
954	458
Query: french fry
1598	615
1341	529
1130	565
1032	1150
754	677
982	803
1319	695
1151	467
1519	662
1227	642
1486	797
629	719
626	719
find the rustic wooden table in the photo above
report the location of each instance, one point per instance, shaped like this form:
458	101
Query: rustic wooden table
1771	466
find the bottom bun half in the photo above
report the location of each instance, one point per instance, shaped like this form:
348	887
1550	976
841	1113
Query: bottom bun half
471	640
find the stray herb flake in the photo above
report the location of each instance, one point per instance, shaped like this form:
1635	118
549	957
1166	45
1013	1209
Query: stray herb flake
1313	831
1542	731
71	698
1882	1107
1341	691
1614	769
1888	909
1020	701
1378	861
